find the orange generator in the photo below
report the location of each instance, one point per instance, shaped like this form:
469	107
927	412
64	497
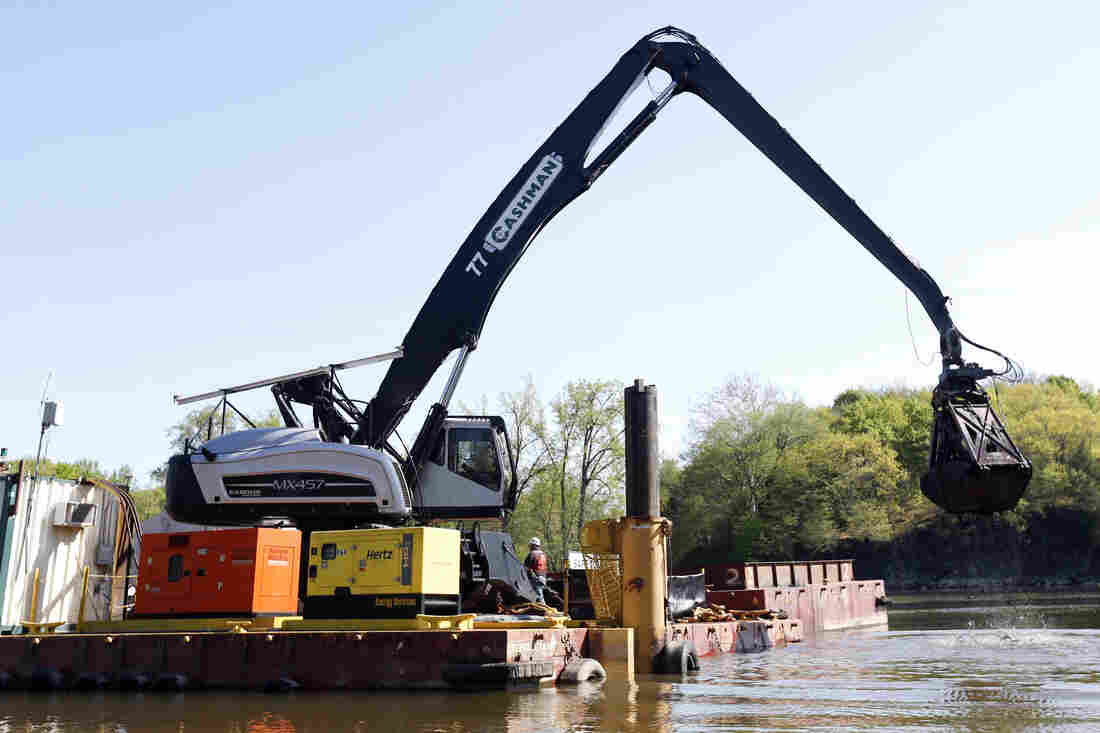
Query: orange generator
228	572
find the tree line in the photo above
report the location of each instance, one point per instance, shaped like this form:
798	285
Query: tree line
767	477
148	502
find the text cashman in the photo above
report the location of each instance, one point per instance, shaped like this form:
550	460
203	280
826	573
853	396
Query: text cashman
500	235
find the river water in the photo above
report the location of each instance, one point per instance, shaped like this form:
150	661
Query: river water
946	663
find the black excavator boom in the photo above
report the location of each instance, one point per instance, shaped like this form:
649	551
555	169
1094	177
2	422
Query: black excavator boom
973	465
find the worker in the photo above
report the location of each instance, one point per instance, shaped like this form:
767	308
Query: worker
537	563
478	462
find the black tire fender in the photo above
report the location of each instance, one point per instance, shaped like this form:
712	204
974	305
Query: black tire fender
582	670
678	657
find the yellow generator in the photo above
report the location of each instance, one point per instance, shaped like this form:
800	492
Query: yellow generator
383	573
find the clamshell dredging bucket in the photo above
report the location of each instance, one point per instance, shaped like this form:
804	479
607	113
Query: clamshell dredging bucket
959	487
974	466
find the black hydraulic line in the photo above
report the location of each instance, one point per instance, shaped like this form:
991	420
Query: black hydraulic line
286	410
455	311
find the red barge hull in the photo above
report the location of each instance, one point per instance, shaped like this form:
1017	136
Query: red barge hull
349	660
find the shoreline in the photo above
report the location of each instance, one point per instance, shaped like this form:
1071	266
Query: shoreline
917	599
997	585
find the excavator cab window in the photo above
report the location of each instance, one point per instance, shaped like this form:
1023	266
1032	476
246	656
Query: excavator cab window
472	453
505	459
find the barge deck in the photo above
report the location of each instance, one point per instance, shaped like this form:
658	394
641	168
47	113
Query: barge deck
275	659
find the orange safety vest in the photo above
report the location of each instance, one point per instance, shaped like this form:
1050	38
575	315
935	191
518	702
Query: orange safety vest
537	562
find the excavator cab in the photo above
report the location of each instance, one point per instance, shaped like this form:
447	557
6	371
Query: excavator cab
470	473
973	465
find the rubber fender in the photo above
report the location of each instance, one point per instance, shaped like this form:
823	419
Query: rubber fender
132	681
171	683
46	678
88	681
283	684
678	657
582	670
495	674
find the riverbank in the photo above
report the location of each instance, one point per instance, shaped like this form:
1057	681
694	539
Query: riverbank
964	599
960	585
1054	551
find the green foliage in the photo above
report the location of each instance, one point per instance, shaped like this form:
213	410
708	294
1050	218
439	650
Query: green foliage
768	478
901	419
836	478
1057	425
540	513
570	465
149	502
584	446
203	423
668	481
734	498
76	470
526	418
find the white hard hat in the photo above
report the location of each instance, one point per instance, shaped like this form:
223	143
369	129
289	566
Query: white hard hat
535	541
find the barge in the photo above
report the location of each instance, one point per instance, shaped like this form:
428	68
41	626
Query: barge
288	656
823	594
218	609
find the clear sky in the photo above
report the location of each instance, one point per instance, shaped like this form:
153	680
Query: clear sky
196	196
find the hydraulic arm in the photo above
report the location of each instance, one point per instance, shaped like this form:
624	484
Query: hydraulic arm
336	475
974	466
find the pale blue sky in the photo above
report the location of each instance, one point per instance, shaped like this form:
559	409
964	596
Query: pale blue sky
191	198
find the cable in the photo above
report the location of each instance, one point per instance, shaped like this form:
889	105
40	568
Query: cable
675	32
912	339
346	402
652	91
411	462
402	440
997	396
1012	372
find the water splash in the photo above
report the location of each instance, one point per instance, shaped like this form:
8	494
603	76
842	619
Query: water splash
1027	629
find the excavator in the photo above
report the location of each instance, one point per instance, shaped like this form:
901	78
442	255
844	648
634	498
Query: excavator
344	471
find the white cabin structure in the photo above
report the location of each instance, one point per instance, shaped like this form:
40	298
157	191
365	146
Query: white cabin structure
57	527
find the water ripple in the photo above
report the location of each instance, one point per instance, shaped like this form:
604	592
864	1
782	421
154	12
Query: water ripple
993	668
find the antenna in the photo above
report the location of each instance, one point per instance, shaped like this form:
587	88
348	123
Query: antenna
52	414
44	424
